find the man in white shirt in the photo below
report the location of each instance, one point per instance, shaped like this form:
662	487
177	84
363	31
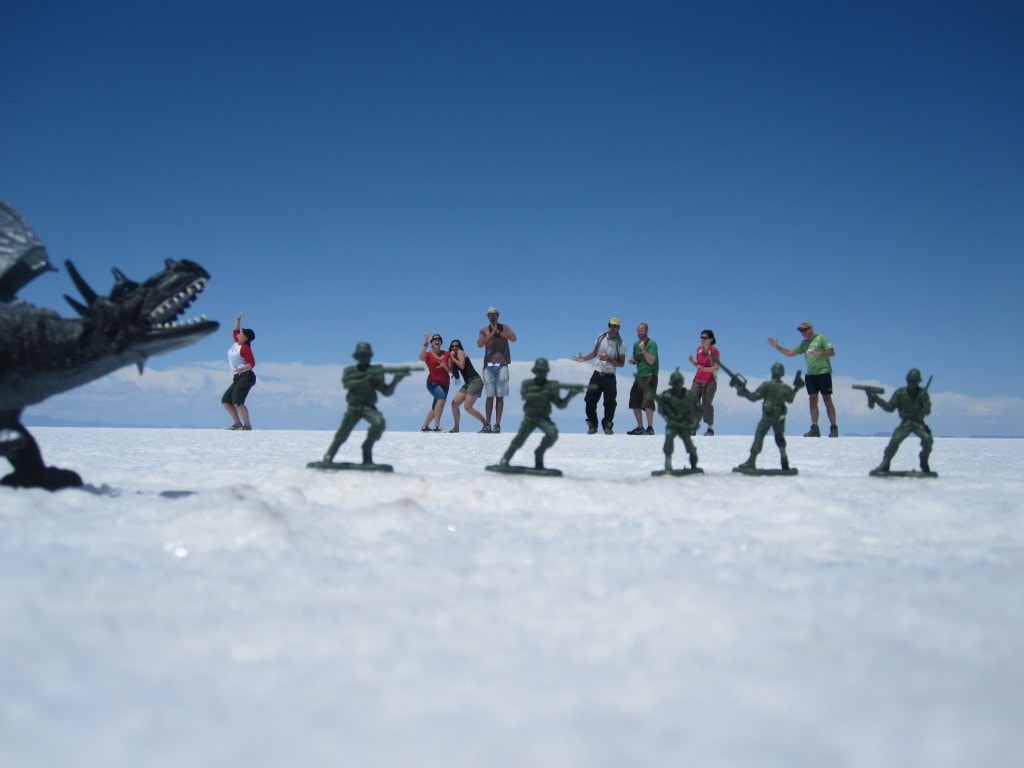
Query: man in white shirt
610	351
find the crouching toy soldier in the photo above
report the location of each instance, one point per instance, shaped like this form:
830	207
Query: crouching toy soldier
913	404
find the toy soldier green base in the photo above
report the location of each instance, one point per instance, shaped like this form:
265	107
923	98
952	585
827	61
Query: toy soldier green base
878	472
776	395
747	469
677	472
363	381
913	404
682	411
537	469
539	395
368	466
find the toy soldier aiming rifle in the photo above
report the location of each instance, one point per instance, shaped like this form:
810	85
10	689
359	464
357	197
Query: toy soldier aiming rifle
363	381
539	394
913	404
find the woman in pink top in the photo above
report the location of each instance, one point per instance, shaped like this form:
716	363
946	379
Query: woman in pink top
705	383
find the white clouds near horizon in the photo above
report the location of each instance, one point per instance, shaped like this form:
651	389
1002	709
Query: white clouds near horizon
303	396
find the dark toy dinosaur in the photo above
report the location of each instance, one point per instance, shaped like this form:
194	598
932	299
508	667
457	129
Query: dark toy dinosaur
43	354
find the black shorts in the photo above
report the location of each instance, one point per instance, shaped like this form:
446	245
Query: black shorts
239	389
819	382
642	393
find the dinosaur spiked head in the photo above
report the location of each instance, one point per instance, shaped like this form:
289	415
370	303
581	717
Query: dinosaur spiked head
143	318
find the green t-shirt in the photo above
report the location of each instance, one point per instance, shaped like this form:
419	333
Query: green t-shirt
643	368
817	343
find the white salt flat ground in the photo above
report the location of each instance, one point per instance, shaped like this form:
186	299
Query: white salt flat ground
221	605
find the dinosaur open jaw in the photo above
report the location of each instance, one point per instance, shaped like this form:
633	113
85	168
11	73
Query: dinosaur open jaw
165	315
152	307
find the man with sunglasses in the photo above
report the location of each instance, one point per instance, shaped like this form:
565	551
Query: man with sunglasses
610	351
818	352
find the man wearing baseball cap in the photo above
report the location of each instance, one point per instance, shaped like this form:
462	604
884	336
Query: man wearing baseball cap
610	351
818	352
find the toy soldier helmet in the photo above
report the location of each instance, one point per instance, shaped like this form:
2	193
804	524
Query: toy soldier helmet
913	376
676	378
363	350
541	365
777	370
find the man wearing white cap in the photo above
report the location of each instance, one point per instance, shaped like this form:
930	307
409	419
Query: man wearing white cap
494	338
610	351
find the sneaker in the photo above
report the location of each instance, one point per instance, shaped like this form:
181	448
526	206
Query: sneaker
450	431
649	431
497	429
637	431
608	431
833	431
813	431
233	427
247	427
424	429
486	428
709	433
591	428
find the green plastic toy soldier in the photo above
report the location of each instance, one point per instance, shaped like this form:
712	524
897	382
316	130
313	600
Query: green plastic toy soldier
363	381
913	404
539	394
776	395
681	409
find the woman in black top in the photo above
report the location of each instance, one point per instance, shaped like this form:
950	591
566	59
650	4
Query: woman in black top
472	387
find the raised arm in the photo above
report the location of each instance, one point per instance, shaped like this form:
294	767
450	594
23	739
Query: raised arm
774	344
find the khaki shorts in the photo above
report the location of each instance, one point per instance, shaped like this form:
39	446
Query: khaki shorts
473	388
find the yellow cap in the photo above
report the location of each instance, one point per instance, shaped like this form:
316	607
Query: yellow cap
614	321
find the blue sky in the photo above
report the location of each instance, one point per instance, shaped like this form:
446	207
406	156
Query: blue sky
351	171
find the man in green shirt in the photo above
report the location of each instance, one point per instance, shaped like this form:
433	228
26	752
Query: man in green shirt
818	351
645	383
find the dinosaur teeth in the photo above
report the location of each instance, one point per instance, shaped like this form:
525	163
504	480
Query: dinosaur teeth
170	325
174	306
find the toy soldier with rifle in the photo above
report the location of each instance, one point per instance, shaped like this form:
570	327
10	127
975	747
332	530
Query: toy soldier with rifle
539	394
913	404
363	381
776	395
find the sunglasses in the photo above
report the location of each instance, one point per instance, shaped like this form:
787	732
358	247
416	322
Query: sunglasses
705	337
437	339
803	329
